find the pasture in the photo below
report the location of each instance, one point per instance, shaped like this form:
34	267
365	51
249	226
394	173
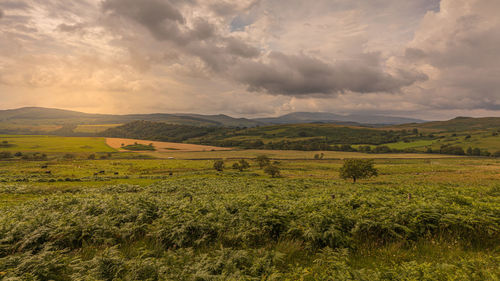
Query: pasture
425	217
95	128
54	144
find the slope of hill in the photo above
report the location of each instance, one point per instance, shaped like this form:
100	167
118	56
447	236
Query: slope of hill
325	117
296	136
459	124
36	120
159	131
318	137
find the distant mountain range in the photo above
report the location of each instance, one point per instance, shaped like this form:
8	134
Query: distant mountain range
52	116
39	120
325	117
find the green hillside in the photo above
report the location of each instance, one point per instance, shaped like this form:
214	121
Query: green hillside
321	137
38	120
459	124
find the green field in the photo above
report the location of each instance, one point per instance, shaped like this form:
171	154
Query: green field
422	218
479	139
93	128
287	154
415	144
54	144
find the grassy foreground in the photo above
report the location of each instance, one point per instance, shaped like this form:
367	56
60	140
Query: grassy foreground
421	219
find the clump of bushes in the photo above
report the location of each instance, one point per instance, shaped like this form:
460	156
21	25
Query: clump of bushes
319	156
241	165
5	155
6	144
271	169
139	147
34	156
263	161
219	165
69	156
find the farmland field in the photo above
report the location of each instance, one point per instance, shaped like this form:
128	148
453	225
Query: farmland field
52	144
93	128
173	219
117	143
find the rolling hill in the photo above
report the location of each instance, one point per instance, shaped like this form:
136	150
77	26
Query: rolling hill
325	117
300	130
313	136
458	124
39	120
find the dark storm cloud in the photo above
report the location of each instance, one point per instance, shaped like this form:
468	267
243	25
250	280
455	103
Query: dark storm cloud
292	75
198	38
300	75
410	56
240	48
162	19
14	5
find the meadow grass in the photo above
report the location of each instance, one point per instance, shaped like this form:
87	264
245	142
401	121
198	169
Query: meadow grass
287	154
414	144
55	144
179	219
94	128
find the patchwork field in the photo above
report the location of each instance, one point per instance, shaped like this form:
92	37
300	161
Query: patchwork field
425	217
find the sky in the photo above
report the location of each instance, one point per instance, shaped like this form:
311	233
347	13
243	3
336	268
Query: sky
426	59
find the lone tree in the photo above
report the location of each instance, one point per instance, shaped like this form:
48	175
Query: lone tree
357	169
219	165
244	164
263	161
272	170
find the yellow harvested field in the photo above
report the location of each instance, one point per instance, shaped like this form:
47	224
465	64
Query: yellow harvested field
160	146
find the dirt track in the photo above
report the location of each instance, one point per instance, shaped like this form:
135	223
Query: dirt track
161	146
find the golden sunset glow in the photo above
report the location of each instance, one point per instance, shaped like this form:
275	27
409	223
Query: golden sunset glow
426	59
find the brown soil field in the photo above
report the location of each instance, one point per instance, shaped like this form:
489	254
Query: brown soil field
160	146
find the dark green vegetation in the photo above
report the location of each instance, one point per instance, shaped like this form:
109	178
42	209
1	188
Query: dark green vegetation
480	135
459	124
157	131
139	147
219	165
358	169
420	219
241	165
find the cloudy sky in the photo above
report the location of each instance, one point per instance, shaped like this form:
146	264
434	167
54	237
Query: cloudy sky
429	59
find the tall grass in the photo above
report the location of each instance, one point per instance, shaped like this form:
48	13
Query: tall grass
249	229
